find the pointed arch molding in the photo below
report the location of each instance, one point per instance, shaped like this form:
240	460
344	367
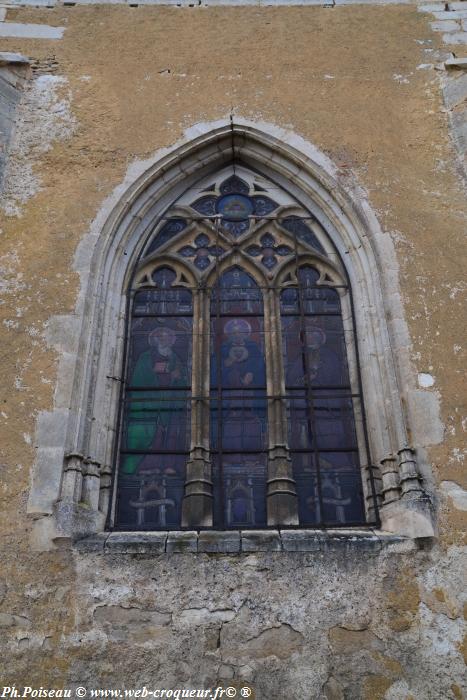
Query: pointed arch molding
72	474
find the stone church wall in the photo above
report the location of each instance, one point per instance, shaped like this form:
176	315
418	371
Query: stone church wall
351	615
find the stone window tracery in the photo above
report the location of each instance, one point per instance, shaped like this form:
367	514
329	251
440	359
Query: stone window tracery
140	230
242	405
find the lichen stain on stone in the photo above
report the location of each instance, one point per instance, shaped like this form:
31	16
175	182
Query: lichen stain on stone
280	642
375	687
463	648
403	598
389	665
344	641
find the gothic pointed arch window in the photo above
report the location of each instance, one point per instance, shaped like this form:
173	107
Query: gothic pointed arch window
241	403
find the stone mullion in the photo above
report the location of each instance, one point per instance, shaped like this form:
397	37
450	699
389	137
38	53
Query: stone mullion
282	504
197	502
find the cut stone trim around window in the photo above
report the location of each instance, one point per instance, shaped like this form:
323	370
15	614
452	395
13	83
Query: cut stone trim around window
70	491
347	542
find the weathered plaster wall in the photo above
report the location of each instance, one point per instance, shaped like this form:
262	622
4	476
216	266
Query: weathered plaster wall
122	82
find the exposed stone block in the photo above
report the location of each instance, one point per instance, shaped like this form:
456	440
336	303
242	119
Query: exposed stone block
459	130
180	542
7	620
455	91
94	543
432	7
302	540
8	58
456	62
33	3
393	544
261	541
346	641
136	542
45	491
136	625
218	541
352	541
202	616
455	38
30	31
446	25
458	14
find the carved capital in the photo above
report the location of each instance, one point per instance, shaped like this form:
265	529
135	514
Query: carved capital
73	462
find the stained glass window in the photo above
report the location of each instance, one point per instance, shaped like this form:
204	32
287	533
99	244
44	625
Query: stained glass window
237	353
238	401
155	432
235	205
321	425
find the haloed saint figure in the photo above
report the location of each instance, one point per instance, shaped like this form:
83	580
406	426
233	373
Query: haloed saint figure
238	419
156	416
242	362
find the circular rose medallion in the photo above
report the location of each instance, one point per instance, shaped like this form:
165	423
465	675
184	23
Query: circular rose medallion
235	207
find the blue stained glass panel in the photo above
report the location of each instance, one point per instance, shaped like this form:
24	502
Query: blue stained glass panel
238	353
163	303
322	422
240	487
153	500
237	294
321	351
205	205
170	229
236	228
340	489
299	228
234	185
263	205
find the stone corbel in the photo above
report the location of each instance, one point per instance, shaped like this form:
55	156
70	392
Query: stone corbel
406	508
76	513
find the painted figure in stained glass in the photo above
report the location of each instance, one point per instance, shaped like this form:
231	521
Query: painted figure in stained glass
242	360
156	419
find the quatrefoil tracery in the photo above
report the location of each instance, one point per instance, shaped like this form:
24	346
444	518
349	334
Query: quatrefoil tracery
268	251
201	251
234	207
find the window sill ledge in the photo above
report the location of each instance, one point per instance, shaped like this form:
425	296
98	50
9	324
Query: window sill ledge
372	542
